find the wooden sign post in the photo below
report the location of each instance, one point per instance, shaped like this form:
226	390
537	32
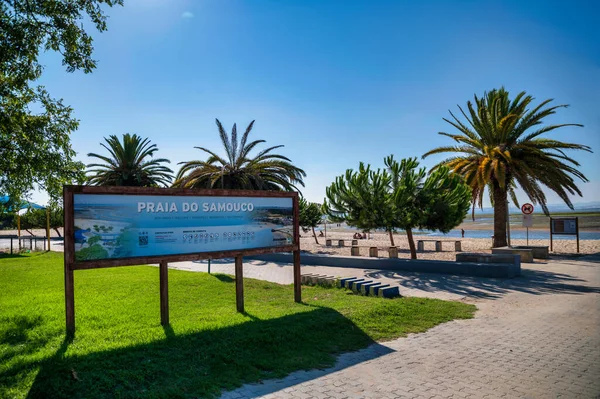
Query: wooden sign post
81	211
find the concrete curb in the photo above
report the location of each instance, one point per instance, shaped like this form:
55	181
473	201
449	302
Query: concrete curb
496	270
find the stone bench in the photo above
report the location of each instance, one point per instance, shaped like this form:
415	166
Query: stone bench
538	251
438	245
526	254
341	243
473	257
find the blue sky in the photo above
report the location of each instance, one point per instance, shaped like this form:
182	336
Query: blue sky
336	82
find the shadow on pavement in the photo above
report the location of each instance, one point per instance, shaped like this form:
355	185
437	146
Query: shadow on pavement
535	282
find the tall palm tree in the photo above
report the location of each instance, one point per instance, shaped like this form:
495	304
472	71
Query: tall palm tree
501	147
128	164
239	170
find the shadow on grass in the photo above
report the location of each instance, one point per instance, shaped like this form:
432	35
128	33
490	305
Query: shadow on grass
204	363
6	255
225	278
536	282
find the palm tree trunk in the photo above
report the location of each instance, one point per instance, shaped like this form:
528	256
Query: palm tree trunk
499	215
411	244
315	235
391	238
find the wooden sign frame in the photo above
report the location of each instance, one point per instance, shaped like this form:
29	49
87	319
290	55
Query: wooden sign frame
71	264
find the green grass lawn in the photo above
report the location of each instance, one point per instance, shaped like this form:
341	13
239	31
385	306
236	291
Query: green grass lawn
121	350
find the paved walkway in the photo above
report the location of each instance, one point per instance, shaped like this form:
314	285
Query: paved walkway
537	336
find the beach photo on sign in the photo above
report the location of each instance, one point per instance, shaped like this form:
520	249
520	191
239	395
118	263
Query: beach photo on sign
124	226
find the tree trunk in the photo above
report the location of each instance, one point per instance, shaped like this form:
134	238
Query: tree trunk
391	238
411	244
57	231
315	235
499	215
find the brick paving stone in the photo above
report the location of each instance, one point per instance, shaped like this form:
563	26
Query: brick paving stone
535	336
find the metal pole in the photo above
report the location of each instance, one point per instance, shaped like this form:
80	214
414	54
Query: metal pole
19	229
577	229
209	266
527	235
48	226
507	223
550	234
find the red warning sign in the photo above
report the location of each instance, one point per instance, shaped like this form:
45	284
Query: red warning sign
527	209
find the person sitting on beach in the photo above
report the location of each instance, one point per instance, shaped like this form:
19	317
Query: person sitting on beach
356	236
321	234
364	236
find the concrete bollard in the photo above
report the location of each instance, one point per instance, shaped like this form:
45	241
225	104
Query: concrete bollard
373	252
340	243
327	243
355	251
354	242
356	286
420	246
350	283
374	290
389	292
438	246
393	251
457	246
343	281
366	288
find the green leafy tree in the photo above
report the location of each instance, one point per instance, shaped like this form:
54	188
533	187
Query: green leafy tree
500	146
310	215
128	164
35	148
362	199
240	170
402	196
438	201
38	219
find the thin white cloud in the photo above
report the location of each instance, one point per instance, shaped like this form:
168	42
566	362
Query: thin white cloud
187	14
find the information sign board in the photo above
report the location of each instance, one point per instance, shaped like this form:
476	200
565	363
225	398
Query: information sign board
564	226
125	226
121	226
527	221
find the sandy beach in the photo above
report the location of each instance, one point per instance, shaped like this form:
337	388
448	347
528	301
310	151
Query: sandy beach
482	245
382	242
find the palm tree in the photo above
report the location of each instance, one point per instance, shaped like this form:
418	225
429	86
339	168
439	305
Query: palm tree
239	170
501	148
127	164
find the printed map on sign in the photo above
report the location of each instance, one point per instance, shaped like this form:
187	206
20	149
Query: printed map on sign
564	226
125	226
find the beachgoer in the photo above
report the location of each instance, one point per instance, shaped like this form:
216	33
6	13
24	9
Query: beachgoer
462	233
321	234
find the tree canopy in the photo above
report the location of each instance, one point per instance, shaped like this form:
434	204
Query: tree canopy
401	196
310	215
35	149
500	146
129	164
239	169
